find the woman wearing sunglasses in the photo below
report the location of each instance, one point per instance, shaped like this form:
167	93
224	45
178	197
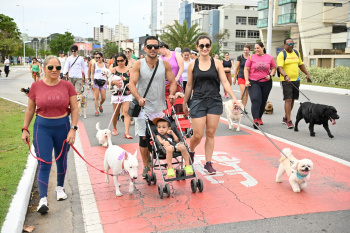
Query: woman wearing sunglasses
204	77
99	82
258	71
35	68
131	61
121	70
53	100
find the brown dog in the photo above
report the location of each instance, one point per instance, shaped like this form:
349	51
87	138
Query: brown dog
268	108
82	104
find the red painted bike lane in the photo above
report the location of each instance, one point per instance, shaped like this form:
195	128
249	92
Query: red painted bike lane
243	189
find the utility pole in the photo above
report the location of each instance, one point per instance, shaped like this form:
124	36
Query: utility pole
24	45
102	27
269	28
119	29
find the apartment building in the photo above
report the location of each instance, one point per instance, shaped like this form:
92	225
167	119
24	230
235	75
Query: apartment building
124	32
103	34
163	13
318	28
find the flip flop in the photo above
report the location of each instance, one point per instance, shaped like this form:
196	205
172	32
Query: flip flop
128	136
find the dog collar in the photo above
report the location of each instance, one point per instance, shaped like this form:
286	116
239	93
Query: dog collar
300	176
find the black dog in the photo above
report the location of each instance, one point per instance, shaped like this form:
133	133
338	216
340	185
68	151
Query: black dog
25	90
318	114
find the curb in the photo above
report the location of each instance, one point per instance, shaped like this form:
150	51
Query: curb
329	90
17	211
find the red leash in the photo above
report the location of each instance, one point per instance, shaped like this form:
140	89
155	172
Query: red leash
65	141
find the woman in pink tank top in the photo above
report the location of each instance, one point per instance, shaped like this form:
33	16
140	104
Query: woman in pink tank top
175	60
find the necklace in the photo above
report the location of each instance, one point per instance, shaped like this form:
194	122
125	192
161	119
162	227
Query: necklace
150	64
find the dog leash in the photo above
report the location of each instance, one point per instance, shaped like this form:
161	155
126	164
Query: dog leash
300	91
65	141
246	115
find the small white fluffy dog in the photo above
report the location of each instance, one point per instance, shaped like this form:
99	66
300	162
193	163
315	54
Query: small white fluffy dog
111	77
121	162
102	135
233	114
299	172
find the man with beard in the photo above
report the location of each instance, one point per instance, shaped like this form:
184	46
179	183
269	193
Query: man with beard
154	102
288	64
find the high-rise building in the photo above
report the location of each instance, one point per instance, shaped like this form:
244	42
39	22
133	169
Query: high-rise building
103	33
124	32
163	13
319	29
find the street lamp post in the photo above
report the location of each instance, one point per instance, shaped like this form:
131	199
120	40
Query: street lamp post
102	25
24	46
119	30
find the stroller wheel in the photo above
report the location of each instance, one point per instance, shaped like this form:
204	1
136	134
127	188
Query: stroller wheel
200	185
154	178
178	173
193	185
160	191
148	179
183	174
167	190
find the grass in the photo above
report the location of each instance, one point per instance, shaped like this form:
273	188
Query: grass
13	152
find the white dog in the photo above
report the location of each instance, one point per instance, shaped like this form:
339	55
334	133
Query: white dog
233	114
111	77
102	135
121	162
299	172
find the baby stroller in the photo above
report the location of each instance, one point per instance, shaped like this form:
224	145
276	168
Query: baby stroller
158	153
177	109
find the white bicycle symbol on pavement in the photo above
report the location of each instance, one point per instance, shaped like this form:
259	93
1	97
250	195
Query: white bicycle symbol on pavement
221	158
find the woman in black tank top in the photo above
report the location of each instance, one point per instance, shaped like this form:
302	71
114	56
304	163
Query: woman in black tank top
204	77
227	63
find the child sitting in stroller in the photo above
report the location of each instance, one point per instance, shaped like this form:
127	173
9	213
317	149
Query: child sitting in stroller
171	143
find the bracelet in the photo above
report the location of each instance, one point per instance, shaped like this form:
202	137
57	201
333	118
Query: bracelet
25	128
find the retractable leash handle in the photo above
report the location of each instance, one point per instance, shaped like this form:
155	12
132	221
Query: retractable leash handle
246	115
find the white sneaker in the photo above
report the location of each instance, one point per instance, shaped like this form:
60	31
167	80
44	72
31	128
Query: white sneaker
43	206
61	195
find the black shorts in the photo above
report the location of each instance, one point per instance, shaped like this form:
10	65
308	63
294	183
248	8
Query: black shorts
202	107
290	91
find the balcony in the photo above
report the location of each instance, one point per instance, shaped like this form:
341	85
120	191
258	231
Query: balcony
262	23
262	5
282	2
286	18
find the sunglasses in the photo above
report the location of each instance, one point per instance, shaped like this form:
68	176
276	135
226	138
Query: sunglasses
120	60
51	67
127	51
290	44
97	57
150	46
201	46
73	51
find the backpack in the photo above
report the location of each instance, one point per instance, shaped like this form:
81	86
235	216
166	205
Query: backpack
285	57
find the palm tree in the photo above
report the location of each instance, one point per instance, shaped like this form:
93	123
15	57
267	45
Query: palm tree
181	36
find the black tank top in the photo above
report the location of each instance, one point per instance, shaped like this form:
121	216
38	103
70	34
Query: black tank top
227	64
206	84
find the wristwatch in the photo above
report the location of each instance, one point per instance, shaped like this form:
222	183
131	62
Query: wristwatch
74	127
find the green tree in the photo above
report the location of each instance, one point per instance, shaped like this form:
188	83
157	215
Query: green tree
62	42
9	36
109	49
43	52
181	36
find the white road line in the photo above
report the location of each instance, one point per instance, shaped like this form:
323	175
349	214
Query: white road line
319	153
14	101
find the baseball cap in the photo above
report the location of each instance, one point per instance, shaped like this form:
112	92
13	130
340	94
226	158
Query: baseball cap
155	120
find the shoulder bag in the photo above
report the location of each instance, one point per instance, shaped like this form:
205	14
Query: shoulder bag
134	107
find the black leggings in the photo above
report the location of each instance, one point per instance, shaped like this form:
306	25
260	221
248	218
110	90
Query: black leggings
259	93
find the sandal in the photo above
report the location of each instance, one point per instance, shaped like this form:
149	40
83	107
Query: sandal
188	170
128	136
114	132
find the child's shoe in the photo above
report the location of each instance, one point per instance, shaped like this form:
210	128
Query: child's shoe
171	172
188	170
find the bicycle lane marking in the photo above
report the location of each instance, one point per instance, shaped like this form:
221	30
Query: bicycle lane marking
243	189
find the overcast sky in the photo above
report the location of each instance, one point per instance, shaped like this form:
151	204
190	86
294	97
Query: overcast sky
43	17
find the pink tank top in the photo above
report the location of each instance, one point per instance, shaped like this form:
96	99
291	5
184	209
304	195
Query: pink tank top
173	63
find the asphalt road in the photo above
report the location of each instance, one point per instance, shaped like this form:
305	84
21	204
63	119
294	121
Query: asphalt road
318	222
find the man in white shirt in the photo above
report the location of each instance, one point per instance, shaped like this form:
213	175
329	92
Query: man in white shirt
7	66
73	69
62	59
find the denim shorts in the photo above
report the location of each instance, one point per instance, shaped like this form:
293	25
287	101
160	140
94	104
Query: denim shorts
202	107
